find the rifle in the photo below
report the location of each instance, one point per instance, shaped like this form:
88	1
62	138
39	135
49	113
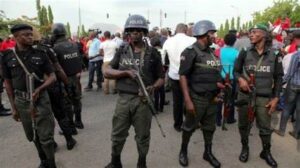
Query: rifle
146	94
252	97
30	81
30	77
226	101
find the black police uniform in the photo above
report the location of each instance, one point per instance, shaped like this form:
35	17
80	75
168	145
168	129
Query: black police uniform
36	61
202	70
57	96
69	59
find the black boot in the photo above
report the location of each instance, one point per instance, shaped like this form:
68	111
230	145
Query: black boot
78	122
43	164
208	156
115	162
71	142
141	162
183	158
267	156
245	151
51	163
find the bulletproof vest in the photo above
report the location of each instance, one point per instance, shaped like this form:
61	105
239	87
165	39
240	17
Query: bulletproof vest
206	71
68	57
145	63
263	74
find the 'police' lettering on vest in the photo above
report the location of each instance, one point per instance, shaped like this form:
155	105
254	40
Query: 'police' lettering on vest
213	63
261	68
130	62
70	56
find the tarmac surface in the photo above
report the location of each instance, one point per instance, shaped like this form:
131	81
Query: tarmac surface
94	146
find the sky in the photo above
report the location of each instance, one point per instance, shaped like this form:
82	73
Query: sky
178	11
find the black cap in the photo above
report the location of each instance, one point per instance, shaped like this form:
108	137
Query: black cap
19	27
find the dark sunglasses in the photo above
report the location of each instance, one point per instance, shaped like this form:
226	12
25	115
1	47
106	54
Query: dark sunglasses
135	30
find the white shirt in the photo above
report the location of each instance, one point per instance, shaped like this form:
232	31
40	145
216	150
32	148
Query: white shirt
174	46
286	64
109	48
118	40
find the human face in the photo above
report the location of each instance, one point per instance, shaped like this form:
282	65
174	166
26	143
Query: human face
256	35
136	35
24	37
211	37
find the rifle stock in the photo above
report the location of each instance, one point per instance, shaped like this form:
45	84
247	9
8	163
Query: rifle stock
252	97
227	99
32	108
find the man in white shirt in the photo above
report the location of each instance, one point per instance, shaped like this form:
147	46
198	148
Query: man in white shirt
108	49
173	47
118	39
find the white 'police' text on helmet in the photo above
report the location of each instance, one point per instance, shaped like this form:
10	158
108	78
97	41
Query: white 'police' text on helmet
136	21
202	27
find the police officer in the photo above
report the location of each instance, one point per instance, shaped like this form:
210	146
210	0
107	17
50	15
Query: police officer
56	92
36	61
266	66
131	108
69	59
200	80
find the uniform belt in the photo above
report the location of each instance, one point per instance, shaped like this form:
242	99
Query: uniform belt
22	94
208	94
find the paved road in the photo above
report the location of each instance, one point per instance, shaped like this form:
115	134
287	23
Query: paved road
93	149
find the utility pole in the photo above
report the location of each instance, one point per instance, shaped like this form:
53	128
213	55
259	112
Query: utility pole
185	16
160	18
79	18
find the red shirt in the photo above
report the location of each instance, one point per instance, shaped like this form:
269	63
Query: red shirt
7	44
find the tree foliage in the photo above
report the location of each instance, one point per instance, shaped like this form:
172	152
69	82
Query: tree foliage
238	23
50	15
68	28
232	25
280	9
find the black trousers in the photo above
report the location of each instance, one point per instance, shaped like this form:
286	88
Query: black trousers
178	107
59	109
159	97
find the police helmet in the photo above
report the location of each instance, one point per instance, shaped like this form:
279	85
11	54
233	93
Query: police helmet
136	21
202	27
58	29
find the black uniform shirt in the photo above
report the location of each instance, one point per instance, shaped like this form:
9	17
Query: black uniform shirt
50	52
35	60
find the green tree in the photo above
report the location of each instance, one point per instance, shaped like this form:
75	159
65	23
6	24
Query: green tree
226	27
232	26
38	5
221	31
68	28
83	32
45	16
280	9
238	23
250	25
50	14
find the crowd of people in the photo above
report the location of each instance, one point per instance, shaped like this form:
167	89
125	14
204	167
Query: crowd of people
212	80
